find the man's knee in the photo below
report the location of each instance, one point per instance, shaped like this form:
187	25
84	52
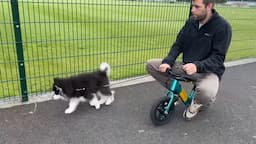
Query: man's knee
205	99
207	90
148	66
152	65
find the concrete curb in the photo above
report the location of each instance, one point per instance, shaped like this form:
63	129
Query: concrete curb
114	84
148	78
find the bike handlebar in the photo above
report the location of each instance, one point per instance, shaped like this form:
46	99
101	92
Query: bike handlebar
181	77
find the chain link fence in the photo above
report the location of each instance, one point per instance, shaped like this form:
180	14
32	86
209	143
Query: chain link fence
43	39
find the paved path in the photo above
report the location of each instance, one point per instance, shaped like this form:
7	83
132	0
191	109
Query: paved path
232	120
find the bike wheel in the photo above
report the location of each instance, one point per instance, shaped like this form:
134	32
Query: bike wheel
157	113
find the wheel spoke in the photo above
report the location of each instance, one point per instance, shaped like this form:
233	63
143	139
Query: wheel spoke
158	112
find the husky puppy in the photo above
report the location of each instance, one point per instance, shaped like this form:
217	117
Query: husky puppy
92	87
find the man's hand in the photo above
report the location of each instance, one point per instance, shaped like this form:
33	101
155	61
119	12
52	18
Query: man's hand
163	67
190	68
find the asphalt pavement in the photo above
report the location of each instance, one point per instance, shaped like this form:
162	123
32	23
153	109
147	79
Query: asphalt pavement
231	120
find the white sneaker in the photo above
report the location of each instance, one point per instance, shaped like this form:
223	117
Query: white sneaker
192	110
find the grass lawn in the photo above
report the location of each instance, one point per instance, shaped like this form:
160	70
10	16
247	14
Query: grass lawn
64	38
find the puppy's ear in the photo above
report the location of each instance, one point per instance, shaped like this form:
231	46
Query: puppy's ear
56	80
55	90
53	87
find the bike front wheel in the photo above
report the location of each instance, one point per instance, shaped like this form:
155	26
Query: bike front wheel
158	113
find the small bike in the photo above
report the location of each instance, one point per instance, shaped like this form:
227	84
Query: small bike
162	110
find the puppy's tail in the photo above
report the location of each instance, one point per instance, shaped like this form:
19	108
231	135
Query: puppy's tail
104	67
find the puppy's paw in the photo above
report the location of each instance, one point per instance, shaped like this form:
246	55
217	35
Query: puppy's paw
69	110
92	103
102	100
82	99
97	106
110	100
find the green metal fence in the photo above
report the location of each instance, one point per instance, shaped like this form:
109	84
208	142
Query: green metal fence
43	39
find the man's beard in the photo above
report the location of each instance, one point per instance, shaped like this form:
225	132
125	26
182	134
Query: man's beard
200	17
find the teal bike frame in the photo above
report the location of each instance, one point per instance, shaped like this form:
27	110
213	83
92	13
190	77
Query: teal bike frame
176	91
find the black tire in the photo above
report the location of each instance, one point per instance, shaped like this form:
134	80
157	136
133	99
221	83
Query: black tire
157	114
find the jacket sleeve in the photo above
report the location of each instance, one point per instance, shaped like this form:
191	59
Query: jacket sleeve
176	48
221	41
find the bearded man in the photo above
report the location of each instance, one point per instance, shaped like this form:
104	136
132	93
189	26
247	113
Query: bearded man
203	42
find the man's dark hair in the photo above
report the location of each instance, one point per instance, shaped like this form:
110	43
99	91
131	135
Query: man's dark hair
206	2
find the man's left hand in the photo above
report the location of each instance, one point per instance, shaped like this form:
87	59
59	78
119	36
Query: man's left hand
190	68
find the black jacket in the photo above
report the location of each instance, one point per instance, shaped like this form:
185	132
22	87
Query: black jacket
205	47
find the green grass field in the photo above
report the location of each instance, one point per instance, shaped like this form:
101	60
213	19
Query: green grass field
64	38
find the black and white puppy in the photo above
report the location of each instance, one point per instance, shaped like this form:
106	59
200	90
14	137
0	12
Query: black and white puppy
93	87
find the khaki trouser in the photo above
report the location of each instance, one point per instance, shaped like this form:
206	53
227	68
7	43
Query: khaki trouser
207	84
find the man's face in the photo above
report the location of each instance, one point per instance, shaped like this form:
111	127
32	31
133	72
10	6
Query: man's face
199	10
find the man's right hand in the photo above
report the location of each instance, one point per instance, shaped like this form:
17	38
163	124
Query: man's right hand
163	67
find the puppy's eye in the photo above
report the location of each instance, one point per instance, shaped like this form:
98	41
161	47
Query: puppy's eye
57	91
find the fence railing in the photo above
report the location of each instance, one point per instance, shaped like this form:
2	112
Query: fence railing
43	39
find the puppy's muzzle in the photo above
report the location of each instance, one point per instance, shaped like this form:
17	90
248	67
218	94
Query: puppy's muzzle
58	97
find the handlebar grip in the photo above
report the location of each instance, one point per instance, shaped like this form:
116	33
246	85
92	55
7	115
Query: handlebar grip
167	70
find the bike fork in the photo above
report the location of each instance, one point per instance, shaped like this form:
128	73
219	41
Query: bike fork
175	86
171	101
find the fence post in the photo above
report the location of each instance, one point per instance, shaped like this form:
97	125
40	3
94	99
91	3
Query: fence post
190	8
19	49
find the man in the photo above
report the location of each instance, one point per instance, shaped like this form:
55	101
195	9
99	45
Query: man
203	42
